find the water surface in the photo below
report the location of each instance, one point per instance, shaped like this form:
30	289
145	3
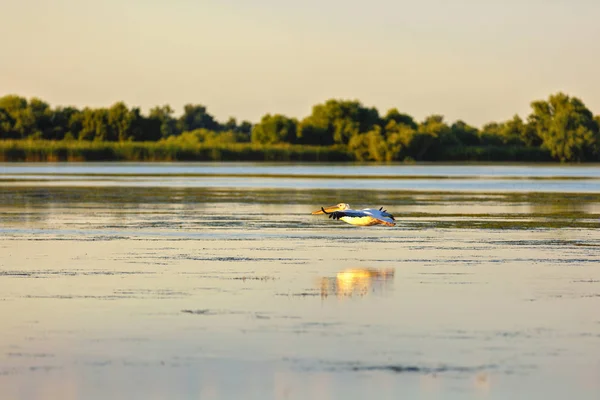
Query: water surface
476	177
156	291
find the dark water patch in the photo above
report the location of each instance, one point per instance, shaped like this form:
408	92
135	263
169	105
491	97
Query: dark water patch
29	355
211	288
155	250
462	261
72	296
490	336
175	362
42	176
503	260
212	312
253	314
44	368
410	368
146	262
535	224
561	261
66	273
320	324
435	246
14	273
112	273
129	195
121	340
590	334
537	243
75	238
239	259
230	275
459	336
219	258
151	293
8	371
106	363
511	334
307	293
250	278
267	248
139	225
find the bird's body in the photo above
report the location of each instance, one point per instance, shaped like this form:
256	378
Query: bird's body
364	217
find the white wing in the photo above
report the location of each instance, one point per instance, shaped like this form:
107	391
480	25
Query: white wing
380	214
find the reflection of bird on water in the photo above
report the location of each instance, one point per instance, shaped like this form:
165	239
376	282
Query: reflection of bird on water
355	281
364	217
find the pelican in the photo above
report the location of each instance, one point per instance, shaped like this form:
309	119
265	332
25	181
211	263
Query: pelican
364	217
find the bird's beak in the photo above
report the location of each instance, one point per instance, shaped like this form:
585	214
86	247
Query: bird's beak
327	209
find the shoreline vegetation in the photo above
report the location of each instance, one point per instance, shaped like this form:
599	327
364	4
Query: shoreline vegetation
559	129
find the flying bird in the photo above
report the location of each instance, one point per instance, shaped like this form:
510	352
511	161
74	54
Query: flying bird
364	217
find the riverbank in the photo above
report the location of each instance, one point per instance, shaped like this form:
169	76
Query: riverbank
78	151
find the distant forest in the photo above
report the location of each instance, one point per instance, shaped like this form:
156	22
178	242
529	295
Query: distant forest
560	128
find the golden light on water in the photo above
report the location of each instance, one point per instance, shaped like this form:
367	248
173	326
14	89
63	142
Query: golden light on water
356	282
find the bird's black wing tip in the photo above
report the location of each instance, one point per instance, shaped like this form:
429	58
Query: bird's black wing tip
336	214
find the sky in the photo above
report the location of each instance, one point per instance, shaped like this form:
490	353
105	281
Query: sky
475	60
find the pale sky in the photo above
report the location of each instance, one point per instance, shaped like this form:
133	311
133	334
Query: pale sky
476	60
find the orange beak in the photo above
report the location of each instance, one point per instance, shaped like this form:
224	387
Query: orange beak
327	209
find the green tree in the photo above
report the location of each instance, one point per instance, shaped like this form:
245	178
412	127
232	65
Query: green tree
336	121
195	117
162	117
464	133
433	129
41	115
491	134
517	132
231	125
378	145
567	128
371	146
6	125
400	118
512	131
62	123
275	129
120	121
75	125
18	109
398	138
94	125
245	127
359	146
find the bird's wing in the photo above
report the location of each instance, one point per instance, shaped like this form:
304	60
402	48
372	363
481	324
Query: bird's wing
381	213
352	213
367	212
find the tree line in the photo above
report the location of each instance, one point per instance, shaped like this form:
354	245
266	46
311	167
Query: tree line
559	128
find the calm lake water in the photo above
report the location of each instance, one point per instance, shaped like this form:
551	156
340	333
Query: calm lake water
214	281
487	178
